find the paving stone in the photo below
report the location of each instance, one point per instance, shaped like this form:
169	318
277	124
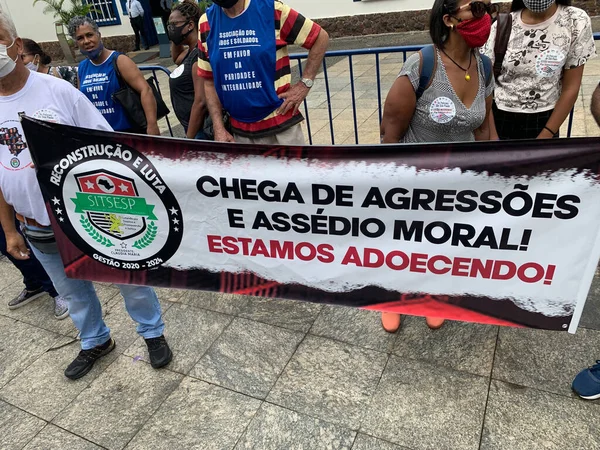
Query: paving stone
17	427
20	345
330	380
197	416
52	437
459	345
116	405
521	418
189	332
423	406
215	301
354	326
169	294
364	442
545	360
248	357
591	313
9	274
43	390
277	428
291	314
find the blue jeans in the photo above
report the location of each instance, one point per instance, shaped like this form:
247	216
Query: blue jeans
85	309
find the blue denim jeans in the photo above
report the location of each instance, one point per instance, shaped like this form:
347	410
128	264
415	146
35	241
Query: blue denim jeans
85	309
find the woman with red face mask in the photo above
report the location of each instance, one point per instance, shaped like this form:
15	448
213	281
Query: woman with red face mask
456	103
548	46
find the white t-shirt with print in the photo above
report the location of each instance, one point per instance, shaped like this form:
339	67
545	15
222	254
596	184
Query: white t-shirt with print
531	77
46	98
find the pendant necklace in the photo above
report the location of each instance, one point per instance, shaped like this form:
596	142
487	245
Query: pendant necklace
467	76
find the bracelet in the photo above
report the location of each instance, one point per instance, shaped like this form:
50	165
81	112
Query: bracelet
546	128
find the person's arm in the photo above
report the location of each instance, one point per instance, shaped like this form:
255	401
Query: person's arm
484	132
134	78
398	110
15	244
570	90
215	110
199	106
296	94
596	105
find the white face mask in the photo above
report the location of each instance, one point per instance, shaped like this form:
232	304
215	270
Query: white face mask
31	66
7	64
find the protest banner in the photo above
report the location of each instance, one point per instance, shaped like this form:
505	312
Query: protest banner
491	232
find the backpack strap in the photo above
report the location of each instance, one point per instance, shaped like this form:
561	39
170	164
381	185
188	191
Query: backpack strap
428	65
115	56
487	68
503	29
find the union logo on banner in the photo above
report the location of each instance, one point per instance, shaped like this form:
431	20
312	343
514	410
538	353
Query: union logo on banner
114	208
121	212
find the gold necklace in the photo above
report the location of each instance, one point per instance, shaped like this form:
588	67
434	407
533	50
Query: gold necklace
467	76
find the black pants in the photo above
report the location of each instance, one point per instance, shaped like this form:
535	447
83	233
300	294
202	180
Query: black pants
137	23
511	125
34	275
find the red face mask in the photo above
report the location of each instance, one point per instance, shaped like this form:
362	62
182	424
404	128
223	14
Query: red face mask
475	32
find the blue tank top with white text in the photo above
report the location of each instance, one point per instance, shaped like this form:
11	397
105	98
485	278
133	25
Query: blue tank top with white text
98	83
242	55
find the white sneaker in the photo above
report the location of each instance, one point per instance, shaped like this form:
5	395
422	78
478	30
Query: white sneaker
61	309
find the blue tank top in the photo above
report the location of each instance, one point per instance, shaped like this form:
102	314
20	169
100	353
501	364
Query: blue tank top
98	83
242	55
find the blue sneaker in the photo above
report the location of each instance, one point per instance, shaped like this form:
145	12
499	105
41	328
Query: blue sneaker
587	382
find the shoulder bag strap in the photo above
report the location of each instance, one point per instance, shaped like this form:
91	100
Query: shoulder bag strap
428	65
503	29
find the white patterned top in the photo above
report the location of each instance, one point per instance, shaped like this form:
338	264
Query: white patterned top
440	115
531	77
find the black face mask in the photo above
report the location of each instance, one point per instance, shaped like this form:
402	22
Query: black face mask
225	3
176	35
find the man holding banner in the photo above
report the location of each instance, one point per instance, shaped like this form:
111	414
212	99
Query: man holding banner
53	100
247	69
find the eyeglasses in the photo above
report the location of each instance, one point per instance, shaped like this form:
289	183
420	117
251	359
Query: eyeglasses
177	24
479	9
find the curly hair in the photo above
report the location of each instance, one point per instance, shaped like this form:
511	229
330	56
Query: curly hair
79	21
190	10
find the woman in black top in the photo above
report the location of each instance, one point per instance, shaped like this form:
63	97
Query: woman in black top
187	88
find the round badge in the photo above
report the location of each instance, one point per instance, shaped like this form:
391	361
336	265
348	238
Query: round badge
549	62
442	110
177	72
47	115
119	211
15	163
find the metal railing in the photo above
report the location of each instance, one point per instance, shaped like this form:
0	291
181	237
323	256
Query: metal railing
153	69
349	54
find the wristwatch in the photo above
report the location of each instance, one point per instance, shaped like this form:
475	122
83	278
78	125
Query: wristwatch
307	82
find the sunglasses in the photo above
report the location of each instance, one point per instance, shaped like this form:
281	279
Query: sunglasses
479	9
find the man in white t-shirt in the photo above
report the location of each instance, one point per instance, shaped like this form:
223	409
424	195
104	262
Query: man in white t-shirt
52	99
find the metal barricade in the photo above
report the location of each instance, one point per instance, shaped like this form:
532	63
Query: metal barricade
153	69
349	54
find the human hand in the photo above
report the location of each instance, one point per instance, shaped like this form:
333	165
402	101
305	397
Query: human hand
222	135
152	129
15	246
293	98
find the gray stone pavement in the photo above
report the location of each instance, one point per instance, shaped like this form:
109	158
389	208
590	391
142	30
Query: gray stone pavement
255	373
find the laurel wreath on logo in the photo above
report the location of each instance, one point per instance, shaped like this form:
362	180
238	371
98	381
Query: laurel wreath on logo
148	238
89	229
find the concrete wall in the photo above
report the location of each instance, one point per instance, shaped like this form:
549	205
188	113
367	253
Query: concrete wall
317	9
31	22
